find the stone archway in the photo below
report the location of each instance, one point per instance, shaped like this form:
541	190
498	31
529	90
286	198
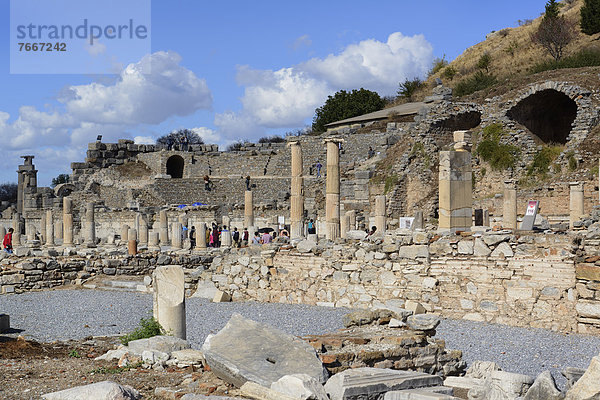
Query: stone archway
175	166
549	114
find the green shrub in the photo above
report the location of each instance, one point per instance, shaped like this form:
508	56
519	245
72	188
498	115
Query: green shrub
572	161
410	86
271	139
235	146
500	156
584	58
542	160
449	72
438	64
484	62
148	327
390	182
479	81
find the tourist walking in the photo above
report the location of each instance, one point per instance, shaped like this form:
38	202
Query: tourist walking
318	166
311	227
7	242
193	237
248	182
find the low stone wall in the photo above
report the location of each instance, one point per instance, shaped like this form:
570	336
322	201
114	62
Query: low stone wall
549	281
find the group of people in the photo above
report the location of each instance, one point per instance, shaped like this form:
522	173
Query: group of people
181	143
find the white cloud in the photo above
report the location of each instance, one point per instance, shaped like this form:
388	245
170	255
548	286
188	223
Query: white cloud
209	136
147	92
95	49
144	140
288	96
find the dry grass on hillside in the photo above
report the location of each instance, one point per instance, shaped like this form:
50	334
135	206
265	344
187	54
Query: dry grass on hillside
512	51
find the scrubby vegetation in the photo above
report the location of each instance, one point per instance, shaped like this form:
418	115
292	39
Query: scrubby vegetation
474	83
590	17
149	327
271	139
344	105
583	58
543	159
409	87
500	156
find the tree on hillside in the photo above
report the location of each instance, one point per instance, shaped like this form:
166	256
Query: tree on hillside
410	87
62	178
484	62
192	137
8	192
344	105
555	31
590	17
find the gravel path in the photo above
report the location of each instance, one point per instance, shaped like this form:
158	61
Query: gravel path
75	314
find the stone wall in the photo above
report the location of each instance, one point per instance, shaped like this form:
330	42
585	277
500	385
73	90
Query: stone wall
550	281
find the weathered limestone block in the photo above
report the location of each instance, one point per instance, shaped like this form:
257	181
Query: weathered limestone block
413	252
544	388
300	386
169	299
503	249
509	208
455	191
500	385
245	350
96	391
371	383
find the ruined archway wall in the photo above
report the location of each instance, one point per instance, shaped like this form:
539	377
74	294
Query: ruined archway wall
587	107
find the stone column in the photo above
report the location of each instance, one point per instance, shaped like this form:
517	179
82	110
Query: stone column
455	191
58	229
249	211
164	227
332	199
43	228
153	241
201	236
16	225
169	299
352	219
124	233
176	237
345	226
49	228
297	192
226	238
576	202
67	221
132	242
89	235
143	232
509	207
380	213
29	231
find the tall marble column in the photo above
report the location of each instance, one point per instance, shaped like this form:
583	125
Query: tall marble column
332	198
16	225
297	193
143	231
49	228
509	205
43	228
249	211
164	227
90	225
67	221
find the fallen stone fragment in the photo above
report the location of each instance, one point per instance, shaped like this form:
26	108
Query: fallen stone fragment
191	396
165	344
572	374
544	388
356	235
300	386
113	354
370	383
423	322
502	385
462	385
245	350
587	387
188	357
106	390
432	393
306	246
415	307
482	369
258	392
221	297
205	290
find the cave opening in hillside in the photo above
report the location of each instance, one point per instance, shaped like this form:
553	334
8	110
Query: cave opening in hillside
548	114
175	166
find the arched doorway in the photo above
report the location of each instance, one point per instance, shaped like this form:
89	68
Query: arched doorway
548	114
175	167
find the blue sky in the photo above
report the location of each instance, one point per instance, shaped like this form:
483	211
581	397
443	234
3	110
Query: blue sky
232	70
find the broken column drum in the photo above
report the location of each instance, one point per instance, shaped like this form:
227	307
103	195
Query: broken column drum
143	231
67	221
575	202
297	193
455	191
332	198
201	236
169	299
509	208
176	237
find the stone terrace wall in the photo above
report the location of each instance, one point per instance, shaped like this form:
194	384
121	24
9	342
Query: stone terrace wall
550	281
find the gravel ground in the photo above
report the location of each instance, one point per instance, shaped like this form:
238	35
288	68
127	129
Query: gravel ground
75	314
